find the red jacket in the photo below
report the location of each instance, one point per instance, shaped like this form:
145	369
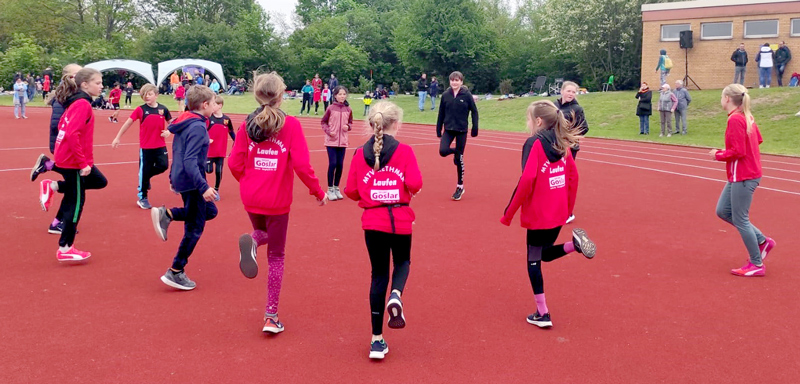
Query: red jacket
114	96
76	136
547	189
265	170
180	92
336	122
741	155
385	194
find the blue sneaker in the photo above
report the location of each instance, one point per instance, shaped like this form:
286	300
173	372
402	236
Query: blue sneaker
541	321
395	309
378	349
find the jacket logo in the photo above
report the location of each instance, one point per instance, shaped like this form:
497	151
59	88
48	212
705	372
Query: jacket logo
265	163
557	182
161	112
225	121
385	195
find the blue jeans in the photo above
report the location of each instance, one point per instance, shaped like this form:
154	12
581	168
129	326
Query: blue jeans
422	95
433	102
734	207
644	124
765	76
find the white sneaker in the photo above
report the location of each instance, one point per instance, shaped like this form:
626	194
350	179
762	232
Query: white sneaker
332	194
761	86
570	219
767	86
669	135
338	193
660	135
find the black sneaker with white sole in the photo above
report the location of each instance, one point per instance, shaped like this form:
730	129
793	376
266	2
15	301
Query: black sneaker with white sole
378	349
395	309
541	321
582	243
40	166
458	193
144	204
247	256
160	221
178	280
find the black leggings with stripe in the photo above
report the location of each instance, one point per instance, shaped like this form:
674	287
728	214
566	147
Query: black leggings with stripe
541	247
74	189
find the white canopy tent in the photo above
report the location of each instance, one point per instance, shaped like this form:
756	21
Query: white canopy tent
165	68
140	68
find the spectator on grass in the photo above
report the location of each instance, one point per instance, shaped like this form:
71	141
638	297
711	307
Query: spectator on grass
684	99
782	57
214	86
433	90
316	82
739	58
765	62
667	102
20	97
422	91
645	108
174	80
333	82
31	86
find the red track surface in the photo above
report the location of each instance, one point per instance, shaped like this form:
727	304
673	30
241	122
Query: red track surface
657	304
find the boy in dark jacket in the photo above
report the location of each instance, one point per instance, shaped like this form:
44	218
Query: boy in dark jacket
782	57
187	177
739	58
454	109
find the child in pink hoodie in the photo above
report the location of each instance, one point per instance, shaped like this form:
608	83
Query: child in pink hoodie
336	122
383	177
269	148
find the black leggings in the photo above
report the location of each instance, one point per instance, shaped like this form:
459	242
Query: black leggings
541	248
335	165
152	162
214	164
306	101
574	152
316	107
458	151
74	189
127	99
383	246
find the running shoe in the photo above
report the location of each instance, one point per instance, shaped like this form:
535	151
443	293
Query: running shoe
338	193
582	243
332	194
45	194
272	325
178	280
378	349
766	248
144	204
72	254
247	256
110	120
160	221
395	309
750	270
56	229
458	193
570	219
541	321
40	166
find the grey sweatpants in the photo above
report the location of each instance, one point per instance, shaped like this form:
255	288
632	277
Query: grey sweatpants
734	207
738	74
666	122
680	120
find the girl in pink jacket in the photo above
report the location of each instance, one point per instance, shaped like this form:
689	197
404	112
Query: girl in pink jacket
336	122
269	148
384	176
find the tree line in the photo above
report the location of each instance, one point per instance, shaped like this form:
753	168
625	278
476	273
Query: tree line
364	42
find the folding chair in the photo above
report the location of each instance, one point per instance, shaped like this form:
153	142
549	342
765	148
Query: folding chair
555	86
539	84
608	83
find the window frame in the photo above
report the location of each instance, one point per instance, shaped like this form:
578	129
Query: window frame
678	37
791	27
729	37
777	29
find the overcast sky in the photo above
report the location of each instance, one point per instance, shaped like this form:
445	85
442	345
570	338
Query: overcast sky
283	7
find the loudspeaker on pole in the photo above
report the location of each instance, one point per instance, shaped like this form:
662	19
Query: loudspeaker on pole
686	39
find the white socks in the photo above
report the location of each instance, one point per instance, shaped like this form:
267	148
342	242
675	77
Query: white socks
54	185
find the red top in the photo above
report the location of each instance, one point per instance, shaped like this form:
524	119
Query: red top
316	83
264	170
75	136
546	191
153	120
46	83
317	94
114	96
395	183
218	130
180	92
741	155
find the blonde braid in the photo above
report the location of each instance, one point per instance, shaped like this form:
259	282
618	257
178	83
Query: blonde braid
377	126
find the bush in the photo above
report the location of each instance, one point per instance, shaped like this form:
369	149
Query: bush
395	88
506	87
365	84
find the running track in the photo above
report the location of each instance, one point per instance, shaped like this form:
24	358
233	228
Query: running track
657	304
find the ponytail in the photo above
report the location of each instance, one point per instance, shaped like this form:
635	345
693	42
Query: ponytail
269	119
65	89
376	122
566	133
746	110
740	98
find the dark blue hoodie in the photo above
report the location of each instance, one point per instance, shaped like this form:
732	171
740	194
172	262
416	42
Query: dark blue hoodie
189	153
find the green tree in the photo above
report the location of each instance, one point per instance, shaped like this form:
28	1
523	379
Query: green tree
23	55
347	61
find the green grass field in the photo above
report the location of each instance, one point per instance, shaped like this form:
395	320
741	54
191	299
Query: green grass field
610	115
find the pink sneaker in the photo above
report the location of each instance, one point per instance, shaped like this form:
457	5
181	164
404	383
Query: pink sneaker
749	270
45	194
72	254
766	247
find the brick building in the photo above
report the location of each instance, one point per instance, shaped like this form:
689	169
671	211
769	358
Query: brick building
718	27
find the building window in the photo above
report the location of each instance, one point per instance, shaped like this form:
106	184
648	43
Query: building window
672	32
795	27
716	31
760	28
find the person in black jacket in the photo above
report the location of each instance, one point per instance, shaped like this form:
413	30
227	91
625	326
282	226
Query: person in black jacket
573	112
782	57
457	103
433	91
60	100
422	90
739	58
645	108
